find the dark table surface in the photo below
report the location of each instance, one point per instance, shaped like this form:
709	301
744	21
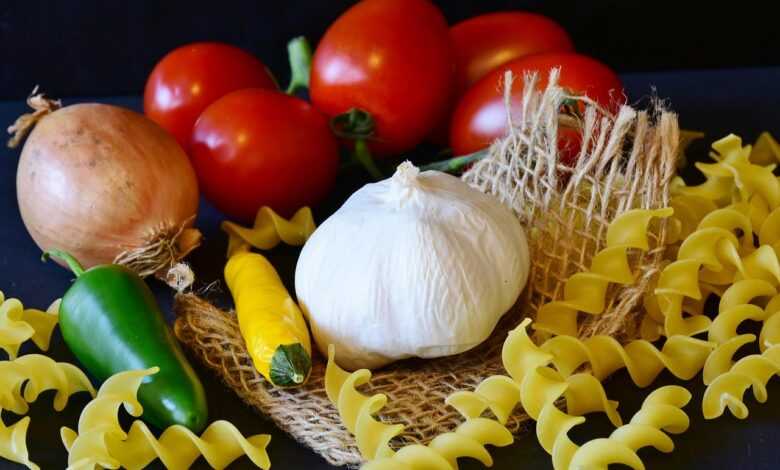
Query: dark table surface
744	101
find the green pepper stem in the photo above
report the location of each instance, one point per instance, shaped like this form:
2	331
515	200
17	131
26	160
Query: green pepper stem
363	156
456	164
299	53
72	263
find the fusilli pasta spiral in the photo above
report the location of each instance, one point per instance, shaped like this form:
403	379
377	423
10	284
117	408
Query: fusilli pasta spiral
661	411
18	325
21	381
270	229
373	436
357	410
101	441
728	389
586	291
468	440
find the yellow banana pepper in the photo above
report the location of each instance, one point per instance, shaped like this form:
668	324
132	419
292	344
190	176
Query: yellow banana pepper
270	321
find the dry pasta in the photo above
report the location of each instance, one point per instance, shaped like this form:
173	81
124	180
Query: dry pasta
683	356
13	442
742	182
18	325
270	229
356	410
533	384
586	291
720	176
689	210
766	150
101	441
24	378
728	389
712	245
735	307
468	440
711	255
661	411
373	436
538	376
21	381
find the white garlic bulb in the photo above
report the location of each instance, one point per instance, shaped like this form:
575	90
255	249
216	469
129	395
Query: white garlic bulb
419	264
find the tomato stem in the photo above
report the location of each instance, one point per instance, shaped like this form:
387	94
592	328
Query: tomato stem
456	164
299	53
363	156
72	263
358	125
354	124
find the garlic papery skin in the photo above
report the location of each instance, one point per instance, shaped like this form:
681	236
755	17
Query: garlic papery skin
419	264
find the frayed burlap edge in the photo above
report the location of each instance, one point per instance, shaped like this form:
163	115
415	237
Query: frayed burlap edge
626	161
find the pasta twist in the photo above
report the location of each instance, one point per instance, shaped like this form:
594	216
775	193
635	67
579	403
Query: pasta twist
712	255
537	387
533	384
735	307
21	381
719	176
468	440
682	356
728	389
26	377
18	325
766	150
101	441
586	291
13	443
373	436
661	411
270	229
356	410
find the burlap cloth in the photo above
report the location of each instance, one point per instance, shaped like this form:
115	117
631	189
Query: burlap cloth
626	161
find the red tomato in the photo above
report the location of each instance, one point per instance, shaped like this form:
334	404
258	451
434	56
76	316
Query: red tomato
257	147
480	116
192	77
390	58
482	43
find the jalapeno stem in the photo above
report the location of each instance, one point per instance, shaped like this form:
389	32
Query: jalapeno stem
299	54
72	263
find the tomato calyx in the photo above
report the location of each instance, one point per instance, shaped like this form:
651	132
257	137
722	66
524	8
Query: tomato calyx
354	124
358	125
299	55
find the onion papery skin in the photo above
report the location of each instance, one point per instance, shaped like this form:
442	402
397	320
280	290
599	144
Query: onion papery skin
97	180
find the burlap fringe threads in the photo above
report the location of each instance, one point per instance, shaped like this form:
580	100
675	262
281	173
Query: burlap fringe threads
626	161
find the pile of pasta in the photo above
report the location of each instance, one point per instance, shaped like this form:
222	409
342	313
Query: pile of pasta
724	241
100	440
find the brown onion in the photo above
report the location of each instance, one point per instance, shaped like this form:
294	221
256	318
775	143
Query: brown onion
105	184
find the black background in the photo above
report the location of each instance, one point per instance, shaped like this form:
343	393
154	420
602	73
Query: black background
101	48
104	48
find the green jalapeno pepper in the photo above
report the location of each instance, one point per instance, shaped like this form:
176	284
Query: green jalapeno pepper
110	319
